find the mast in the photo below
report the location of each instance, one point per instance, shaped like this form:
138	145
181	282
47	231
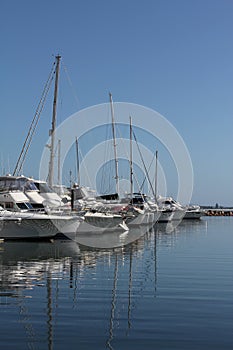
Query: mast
52	130
156	175
114	145
59	163
33	125
77	157
131	158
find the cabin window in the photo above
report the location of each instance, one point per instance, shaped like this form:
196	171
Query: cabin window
43	187
22	206
9	205
37	206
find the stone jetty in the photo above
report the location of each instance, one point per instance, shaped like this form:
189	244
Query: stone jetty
219	212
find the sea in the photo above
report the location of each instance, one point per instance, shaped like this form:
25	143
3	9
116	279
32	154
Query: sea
168	287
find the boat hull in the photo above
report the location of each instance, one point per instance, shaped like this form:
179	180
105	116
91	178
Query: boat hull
32	226
178	214
166	216
193	214
149	217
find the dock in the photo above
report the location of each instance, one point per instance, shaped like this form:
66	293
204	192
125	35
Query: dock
219	212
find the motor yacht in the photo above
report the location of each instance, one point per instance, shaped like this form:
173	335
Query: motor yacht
171	209
31	225
194	212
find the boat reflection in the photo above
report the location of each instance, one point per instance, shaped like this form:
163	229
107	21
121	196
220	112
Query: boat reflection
111	239
24	263
61	277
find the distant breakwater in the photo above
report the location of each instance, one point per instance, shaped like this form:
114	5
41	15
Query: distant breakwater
219	212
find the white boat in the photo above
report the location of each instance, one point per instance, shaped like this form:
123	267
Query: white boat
84	197
35	192
28	225
166	215
140	210
194	212
98	223
12	196
103	220
98	216
176	209
50	197
20	188
63	192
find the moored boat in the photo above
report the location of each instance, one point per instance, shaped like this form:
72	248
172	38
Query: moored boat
170	204
28	225
194	212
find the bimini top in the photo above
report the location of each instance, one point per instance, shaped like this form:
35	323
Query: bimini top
16	183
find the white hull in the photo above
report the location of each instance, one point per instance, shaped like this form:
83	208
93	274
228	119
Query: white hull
178	214
166	216
19	229
144	218
98	223
103	220
27	225
192	214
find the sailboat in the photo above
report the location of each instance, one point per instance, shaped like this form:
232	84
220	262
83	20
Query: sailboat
23	215
28	225
144	212
93	220
97	216
133	206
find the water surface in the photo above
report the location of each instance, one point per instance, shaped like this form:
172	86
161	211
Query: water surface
170	289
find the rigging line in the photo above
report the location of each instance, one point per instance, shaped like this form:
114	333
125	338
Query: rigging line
30	138
71	85
127	156
143	164
77	161
148	172
34	123
106	156
84	165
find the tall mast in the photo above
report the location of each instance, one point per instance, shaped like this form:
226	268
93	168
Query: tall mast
52	130
59	163
77	157
114	145
131	157
156	175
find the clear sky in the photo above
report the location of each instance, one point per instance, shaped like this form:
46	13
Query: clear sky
174	56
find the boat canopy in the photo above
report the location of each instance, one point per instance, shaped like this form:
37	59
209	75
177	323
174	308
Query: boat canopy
12	183
43	187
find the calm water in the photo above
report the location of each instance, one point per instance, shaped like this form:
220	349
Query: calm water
171	289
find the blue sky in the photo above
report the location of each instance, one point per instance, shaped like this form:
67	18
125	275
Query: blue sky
174	56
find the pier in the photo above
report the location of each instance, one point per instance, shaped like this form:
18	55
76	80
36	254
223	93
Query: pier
219	212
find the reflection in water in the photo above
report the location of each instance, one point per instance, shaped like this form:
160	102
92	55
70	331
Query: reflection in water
49	309
169	232
111	239
63	267
113	304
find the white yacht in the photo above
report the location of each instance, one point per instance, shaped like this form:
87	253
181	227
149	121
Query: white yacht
166	214
140	210
28	225
168	204
98	215
50	197
19	189
63	192
194	212
12	196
